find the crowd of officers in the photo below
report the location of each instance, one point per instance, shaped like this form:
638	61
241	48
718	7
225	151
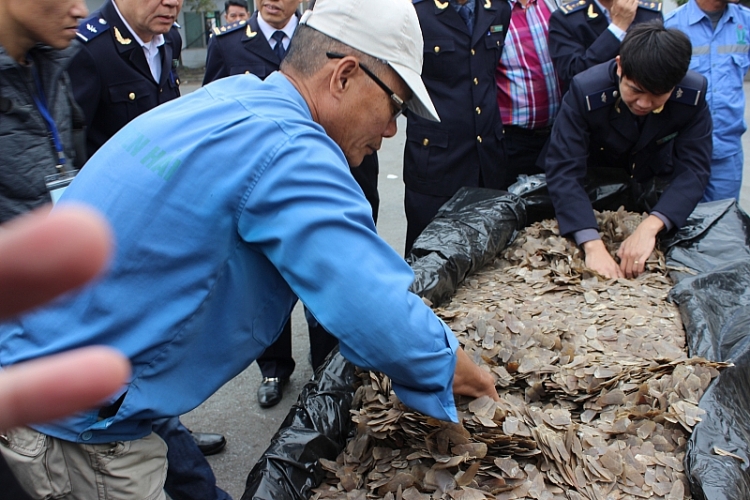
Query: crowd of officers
521	87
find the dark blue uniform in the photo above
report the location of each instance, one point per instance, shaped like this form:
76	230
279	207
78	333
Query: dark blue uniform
110	75
238	49
466	147
595	130
579	38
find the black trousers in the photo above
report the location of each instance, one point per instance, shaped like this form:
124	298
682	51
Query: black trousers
277	360
524	148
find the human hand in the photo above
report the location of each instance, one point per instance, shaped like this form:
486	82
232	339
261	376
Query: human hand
623	13
637	248
599	259
41	256
470	380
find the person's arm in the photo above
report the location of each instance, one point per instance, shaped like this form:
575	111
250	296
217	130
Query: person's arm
568	52
215	66
41	257
307	215
86	83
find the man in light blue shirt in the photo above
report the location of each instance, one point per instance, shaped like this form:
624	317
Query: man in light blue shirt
718	30
226	205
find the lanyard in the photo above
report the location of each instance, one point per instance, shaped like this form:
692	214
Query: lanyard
41	103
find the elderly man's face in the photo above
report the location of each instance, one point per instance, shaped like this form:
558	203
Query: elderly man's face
367	116
277	12
150	17
51	22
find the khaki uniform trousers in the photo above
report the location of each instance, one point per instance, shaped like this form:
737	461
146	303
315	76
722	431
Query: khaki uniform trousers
50	468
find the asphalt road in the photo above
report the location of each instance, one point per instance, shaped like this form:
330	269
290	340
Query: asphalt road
233	410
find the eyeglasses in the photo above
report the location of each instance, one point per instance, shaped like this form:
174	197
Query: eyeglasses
400	104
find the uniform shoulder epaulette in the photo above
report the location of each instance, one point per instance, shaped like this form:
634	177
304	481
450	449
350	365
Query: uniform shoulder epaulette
601	98
654	5
92	28
229	28
571	6
689	90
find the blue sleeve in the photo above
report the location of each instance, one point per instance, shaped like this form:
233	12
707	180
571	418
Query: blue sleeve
308	216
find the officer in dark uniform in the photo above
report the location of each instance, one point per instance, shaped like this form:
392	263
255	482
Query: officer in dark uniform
463	42
584	33
111	78
643	118
240	48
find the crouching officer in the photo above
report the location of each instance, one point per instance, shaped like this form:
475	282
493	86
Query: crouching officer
643	118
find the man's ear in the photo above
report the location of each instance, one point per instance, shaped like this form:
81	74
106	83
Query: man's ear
342	76
619	66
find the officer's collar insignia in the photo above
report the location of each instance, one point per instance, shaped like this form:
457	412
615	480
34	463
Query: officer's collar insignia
249	32
678	93
572	6
92	28
601	98
650	5
487	4
658	110
441	5
591	13
102	21
223	29
119	38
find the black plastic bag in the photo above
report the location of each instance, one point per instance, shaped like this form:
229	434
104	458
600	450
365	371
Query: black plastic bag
317	426
715	309
466	234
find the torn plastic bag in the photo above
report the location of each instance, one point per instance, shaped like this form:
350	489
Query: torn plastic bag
317	426
466	234
715	309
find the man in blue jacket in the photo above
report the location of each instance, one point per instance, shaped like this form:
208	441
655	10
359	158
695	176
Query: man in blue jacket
641	120
720	33
226	205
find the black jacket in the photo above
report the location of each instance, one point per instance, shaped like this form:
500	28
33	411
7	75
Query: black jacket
111	78
27	154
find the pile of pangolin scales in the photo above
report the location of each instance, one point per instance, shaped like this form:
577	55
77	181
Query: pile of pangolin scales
598	396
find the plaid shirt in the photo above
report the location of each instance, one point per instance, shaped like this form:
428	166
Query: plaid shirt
528	92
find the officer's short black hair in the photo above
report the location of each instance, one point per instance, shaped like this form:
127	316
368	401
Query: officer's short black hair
655	57
237	3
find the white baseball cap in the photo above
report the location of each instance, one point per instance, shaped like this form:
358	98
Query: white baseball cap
385	29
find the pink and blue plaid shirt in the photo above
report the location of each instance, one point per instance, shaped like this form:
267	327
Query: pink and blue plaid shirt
528	92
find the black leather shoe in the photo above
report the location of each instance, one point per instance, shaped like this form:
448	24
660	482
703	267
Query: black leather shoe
270	391
209	443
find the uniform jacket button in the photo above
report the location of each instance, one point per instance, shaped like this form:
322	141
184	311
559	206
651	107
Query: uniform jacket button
131	96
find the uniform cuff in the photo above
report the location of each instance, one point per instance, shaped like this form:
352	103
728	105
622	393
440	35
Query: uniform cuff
667	223
585	235
620	34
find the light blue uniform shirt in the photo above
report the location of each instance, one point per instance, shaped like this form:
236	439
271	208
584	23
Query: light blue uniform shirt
226	204
722	57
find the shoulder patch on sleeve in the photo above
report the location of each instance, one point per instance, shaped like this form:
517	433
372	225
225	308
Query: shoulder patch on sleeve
655	5
92	28
601	98
229	28
573	6
689	90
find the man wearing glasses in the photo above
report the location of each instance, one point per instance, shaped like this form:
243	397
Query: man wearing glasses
463	42
225	206
257	46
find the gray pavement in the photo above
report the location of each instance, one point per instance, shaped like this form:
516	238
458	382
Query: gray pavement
233	410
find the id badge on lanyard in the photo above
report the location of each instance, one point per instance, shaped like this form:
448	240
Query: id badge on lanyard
59	182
